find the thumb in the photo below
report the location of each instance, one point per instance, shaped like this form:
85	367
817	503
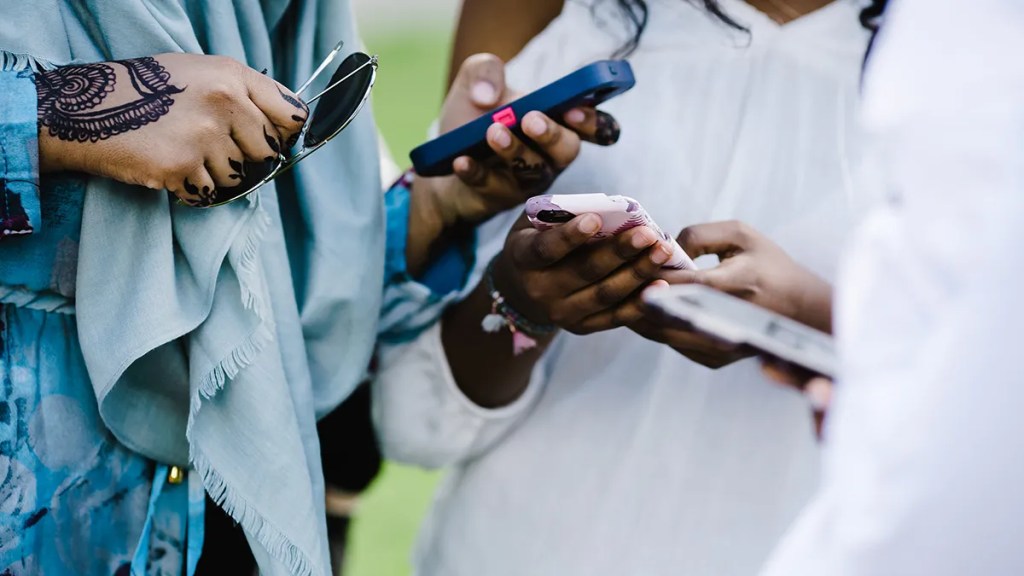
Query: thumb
724	239
482	77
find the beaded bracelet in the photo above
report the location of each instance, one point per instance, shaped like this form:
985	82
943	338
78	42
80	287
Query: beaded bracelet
504	316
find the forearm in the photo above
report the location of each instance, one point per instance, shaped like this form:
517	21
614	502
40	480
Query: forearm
483	364
431	227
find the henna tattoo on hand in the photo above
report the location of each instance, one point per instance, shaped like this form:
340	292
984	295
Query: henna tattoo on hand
239	169
205	195
271	141
608	130
299	105
535	178
70	99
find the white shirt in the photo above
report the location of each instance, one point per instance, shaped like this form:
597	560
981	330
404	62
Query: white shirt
623	457
924	471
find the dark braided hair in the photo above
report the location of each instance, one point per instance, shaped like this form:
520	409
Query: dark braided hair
637	13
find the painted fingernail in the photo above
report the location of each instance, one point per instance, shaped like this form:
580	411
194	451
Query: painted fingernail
534	125
643	238
502	138
608	130
483	93
575	116
590	224
269	159
660	254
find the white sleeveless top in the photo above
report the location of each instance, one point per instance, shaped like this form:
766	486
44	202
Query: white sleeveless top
623	457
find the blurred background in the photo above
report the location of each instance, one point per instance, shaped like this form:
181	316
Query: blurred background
412	38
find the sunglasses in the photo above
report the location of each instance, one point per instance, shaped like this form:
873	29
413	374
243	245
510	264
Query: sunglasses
340	102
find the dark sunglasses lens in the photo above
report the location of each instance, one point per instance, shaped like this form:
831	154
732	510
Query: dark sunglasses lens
250	175
337	106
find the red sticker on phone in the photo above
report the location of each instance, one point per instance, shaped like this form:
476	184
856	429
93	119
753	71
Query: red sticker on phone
506	117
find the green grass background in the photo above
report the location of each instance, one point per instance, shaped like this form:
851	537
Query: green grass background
408	94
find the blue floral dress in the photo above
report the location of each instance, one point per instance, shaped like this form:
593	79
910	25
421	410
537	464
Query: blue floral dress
72	499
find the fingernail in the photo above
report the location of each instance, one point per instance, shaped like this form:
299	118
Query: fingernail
608	130
483	93
590	224
575	116
535	126
502	138
660	254
643	238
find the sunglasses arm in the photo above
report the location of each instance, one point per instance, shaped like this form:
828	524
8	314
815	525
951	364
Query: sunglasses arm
327	61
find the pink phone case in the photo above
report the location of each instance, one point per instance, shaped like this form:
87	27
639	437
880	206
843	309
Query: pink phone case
618	214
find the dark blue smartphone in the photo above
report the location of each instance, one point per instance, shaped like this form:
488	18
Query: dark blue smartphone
588	86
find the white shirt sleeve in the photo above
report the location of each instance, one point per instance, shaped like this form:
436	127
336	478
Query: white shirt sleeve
924	463
421	415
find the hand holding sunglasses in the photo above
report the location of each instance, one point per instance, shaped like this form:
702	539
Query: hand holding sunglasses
181	122
339	104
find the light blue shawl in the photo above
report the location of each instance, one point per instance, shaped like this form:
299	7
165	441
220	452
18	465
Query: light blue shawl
216	336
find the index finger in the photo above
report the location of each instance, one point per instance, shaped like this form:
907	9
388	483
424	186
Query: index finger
280	105
532	249
558	143
720	238
594	126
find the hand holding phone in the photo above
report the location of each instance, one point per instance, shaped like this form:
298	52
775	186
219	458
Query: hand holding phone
586	87
558	276
739	322
516	171
618	214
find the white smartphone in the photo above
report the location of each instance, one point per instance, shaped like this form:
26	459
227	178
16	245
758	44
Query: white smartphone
739	322
618	214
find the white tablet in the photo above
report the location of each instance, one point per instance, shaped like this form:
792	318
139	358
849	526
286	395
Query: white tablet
739	322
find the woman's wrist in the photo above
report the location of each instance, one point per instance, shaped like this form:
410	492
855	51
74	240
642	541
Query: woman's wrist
507	280
430	220
504	316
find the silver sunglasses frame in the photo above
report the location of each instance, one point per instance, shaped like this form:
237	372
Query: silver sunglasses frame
285	163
